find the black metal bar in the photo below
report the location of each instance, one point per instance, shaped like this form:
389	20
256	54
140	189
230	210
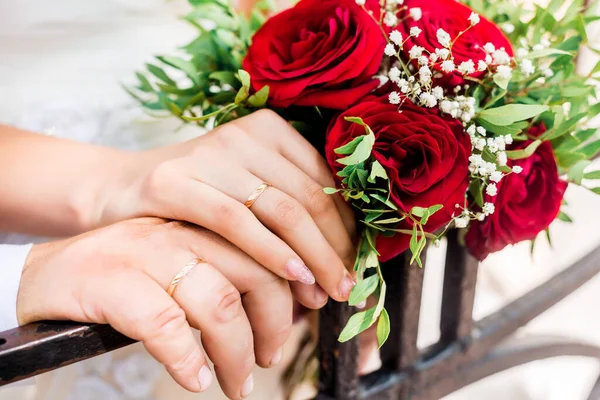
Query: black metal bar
338	376
40	347
595	392
460	278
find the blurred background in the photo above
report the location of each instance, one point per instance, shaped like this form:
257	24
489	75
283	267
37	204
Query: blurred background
61	65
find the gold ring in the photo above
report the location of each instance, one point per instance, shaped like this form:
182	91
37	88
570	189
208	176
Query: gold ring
184	271
257	192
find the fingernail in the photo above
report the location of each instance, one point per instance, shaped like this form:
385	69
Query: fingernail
299	271
320	295
205	378
277	357
346	287
361	305
248	386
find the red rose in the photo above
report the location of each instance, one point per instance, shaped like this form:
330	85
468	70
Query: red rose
424	154
525	205
319	53
452	17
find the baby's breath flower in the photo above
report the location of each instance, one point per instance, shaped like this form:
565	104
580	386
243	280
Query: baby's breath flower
403	85
448	66
481	130
396	37
461	222
537	47
504	72
394	75
416	52
488	59
541	80
471	130
479	143
488	209
502	159
394	98
433	57
427	100
360	2
442	53
424	74
548	73
522	52
496	176
438	92
489	47
517	169
446	106
527	67
415	31
474	18
416	13
423	60
481	65
508	139
466	67
545	42
443	37
390	19
480	216
501	57
491	189
390	50
508	27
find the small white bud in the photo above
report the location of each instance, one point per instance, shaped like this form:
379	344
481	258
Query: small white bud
481	130
360	2
416	13
517	169
438	92
448	66
474	18
427	100
491	189
394	98
394	75
466	67
443	37
415	31
390	19
416	52
396	37
489	47
502	159
488	209
481	66
390	50
496	176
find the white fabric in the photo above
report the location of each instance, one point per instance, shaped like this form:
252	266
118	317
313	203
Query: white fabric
12	260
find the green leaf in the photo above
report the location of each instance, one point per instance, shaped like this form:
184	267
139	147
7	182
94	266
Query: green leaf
509	114
564	217
363	289
160	74
592	175
330	190
244	78
145	85
227	77
575	173
384	200
241	95
362	151
418	211
524	153
383	328
596	190
547	52
357	323
259	99
591	149
502	82
567	158
372	261
183	65
390	221
349	147
377	171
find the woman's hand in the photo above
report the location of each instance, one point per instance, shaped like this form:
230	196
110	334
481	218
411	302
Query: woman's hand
205	181
119	275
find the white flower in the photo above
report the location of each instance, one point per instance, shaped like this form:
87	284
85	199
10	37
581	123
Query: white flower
415	31
443	37
423	60
481	130
474	18
545	42
499	142
467	67
446	106
396	37
517	169
548	73
427	100
527	67
481	65
537	47
416	13
504	72
461	222
496	176
541	80
502	159
489	47
448	66
390	19
480	216
508	139
394	75
508	27
488	209
501	57
476	160
491	189
389	50
394	98
479	144
411	79
471	130
487	168
522	53
415	52
566	108
492	146
488	59
433	57
425	75
442	53
438	92
382	79
360	2
403	85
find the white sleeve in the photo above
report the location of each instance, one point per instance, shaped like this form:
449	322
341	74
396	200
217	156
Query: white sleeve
12	261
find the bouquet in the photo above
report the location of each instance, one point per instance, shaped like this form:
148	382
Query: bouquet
433	114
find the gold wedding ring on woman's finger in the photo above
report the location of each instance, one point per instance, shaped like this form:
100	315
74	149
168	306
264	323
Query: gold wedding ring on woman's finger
256	193
181	274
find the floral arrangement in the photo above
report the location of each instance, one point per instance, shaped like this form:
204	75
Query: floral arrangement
433	114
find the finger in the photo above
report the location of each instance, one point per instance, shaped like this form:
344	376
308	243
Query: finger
266	297
274	132
203	205
310	296
286	217
138	307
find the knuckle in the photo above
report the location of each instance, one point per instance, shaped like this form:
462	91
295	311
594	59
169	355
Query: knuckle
231	136
158	179
234	214
229	304
266	114
167	321
318	203
289	213
189	361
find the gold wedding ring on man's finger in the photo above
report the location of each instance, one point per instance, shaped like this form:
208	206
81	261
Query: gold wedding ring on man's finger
181	274
256	193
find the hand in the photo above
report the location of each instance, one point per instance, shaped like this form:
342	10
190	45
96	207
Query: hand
242	310
206	181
